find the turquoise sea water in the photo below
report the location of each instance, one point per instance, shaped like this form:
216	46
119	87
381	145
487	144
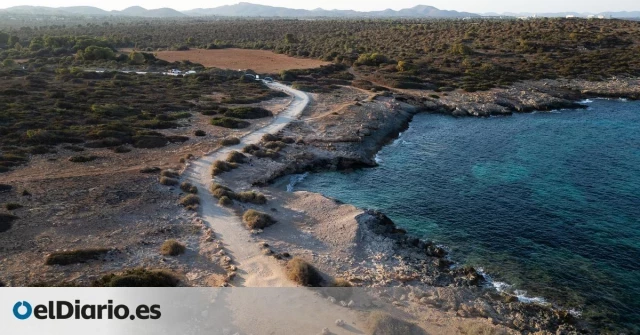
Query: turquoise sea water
546	202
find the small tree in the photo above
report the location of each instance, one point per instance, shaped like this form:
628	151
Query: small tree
136	58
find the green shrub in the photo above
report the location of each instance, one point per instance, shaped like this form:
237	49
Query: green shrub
230	141
303	273
257	220
219	191
167	181
248	113
12	206
172	248
189	200
74	256
200	133
227	122
236	157
225	201
82	159
139	278
249	149
189	188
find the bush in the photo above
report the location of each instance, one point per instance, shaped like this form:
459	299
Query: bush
169	181
169	173
269	138
172	248
139	278
74	256
275	145
230	141
12	206
6	220
150	169
339	282
5	188
189	200
384	324
121	149
82	159
221	166
248	113
251	197
219	191
236	157
227	122
189	188
257	220
200	133
303	273
249	149
225	201
149	142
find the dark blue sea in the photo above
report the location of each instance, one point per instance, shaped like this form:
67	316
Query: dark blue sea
546	204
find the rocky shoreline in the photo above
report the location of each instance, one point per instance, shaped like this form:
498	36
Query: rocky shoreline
350	136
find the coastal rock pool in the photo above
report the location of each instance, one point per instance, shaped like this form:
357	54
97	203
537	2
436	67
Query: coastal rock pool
547	204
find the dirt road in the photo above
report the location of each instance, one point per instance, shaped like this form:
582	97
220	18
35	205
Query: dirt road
254	268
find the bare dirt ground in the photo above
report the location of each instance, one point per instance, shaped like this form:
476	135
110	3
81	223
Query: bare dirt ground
261	61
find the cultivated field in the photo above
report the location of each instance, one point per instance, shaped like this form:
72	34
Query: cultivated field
261	61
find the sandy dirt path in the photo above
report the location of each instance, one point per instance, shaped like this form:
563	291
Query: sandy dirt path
254	268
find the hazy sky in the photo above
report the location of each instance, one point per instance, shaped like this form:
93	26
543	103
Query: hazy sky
478	6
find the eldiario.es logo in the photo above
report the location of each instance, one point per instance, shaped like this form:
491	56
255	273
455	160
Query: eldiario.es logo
62	310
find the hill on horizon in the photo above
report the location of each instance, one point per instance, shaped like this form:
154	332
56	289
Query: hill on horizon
246	9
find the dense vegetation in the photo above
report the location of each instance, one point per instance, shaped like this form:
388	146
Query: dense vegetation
444	54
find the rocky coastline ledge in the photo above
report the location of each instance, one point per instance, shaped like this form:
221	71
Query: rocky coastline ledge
344	131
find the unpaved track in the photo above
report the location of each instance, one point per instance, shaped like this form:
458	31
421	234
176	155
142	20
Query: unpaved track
254	268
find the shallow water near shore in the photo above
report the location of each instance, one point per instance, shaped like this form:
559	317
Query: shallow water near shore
546	202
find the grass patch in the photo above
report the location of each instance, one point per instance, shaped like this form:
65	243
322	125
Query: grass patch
383	324
303	273
150	169
220	167
139	278
6	221
167	181
275	145
230	141
82	159
172	248
257	220
236	157
231	123
74	256
189	200
189	188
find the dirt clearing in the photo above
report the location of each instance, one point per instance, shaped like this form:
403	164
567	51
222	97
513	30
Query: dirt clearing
261	61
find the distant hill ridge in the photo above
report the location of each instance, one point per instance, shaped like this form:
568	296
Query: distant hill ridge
241	9
246	9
